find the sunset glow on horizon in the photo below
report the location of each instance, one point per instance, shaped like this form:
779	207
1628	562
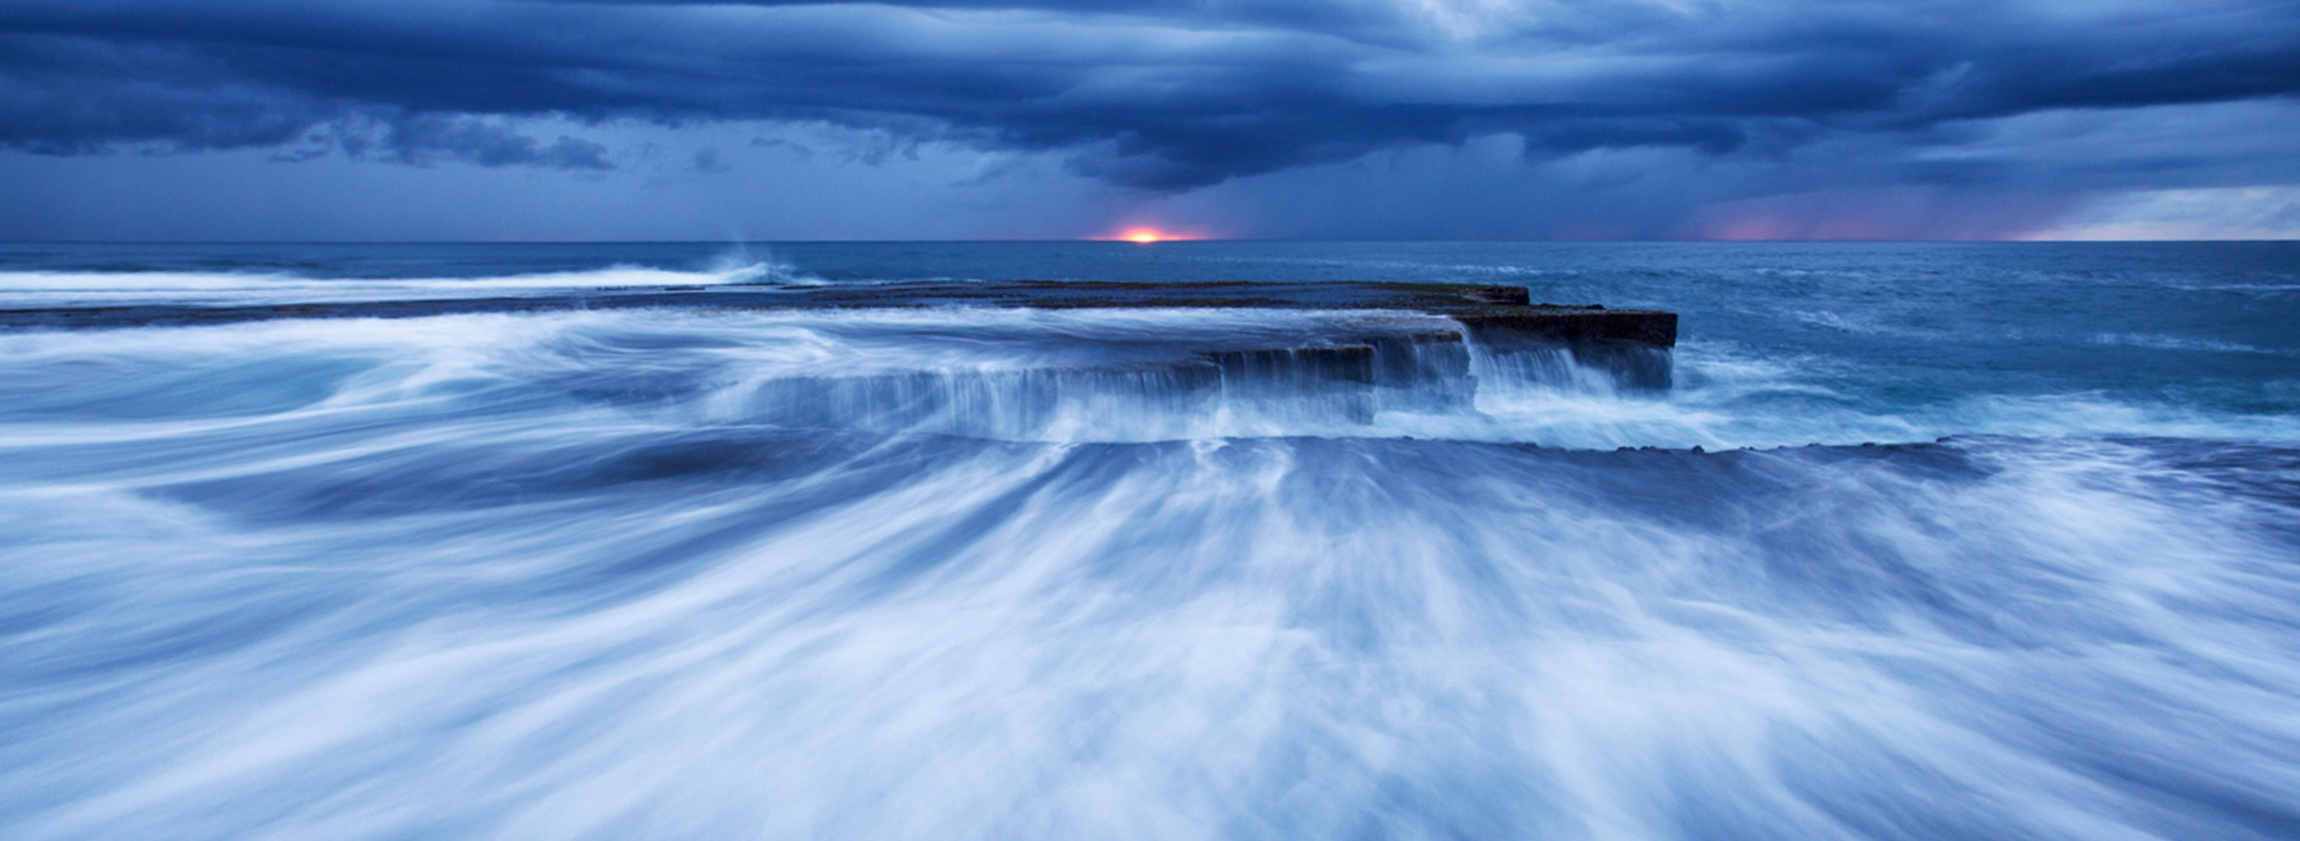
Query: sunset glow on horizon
1147	234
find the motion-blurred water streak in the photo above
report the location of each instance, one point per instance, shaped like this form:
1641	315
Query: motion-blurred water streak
942	573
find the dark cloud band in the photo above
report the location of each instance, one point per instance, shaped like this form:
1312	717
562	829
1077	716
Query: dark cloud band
1158	94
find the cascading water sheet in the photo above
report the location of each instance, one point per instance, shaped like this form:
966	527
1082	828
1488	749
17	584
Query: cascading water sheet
959	572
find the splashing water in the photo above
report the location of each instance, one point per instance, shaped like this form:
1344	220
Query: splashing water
1125	573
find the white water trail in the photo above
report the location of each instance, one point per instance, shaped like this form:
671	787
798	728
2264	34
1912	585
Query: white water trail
1007	575
42	289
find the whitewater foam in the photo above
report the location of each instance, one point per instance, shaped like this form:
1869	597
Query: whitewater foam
982	573
42	290
1027	375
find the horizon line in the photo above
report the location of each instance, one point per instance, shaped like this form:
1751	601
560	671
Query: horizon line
1130	243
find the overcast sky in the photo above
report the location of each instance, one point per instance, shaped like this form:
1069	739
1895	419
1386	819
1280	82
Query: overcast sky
1360	119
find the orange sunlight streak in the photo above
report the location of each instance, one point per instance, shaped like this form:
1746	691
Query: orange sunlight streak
1147	234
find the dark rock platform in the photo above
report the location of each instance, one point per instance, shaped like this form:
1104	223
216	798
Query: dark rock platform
1501	313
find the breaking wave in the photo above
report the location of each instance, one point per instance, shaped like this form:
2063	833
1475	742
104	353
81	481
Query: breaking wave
940	573
29	290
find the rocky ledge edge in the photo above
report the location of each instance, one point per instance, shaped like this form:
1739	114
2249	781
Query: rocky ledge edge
1495	313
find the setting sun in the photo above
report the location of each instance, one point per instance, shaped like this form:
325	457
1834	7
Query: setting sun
1146	234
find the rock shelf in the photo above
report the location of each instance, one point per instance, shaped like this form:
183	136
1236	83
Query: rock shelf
1491	313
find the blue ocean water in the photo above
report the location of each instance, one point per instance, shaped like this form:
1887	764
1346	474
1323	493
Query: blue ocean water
1981	541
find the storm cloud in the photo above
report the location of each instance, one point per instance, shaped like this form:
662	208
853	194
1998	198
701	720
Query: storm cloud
1156	95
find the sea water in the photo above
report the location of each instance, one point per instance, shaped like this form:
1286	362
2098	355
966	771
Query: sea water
1917	541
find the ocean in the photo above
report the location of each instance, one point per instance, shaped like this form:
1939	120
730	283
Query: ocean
1917	541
